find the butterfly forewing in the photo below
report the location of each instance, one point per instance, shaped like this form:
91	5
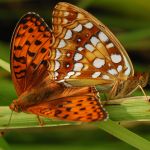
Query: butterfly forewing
85	50
30	47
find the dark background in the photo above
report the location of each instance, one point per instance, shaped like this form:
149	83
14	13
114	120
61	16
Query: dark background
129	21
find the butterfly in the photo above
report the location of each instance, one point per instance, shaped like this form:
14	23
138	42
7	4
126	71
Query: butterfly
37	90
85	52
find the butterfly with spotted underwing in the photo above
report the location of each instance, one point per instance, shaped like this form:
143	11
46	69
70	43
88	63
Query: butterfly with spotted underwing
38	93
85	52
49	67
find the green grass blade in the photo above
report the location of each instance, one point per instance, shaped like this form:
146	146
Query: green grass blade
124	135
3	144
129	109
4	65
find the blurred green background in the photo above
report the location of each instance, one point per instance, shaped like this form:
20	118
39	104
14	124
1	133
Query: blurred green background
130	22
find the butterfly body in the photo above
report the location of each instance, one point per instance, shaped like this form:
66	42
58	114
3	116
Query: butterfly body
54	71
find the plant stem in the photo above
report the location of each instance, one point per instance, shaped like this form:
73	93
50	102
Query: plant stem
129	109
4	65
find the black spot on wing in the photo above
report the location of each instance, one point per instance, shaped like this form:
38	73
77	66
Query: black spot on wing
20	59
79	105
43	50
33	65
22	71
38	42
68	109
27	42
82	108
65	116
57	112
18	47
25	26
30	30
31	54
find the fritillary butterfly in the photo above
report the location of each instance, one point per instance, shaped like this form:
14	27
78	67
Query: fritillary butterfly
80	51
38	92
85	52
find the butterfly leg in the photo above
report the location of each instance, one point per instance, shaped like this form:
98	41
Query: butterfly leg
113	91
141	88
41	122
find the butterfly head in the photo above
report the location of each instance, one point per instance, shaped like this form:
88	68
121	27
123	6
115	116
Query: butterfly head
142	78
15	106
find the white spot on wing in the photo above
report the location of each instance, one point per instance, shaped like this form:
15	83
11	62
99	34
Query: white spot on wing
68	54
94	40
57	65
119	68
64	21
80	48
69	74
61	44
110	45
80	16
88	25
67	65
58	54
103	37
78	66
98	63
68	35
89	47
112	71
79	40
128	71
78	28
66	13
77	56
116	58
96	74
106	77
78	73
56	75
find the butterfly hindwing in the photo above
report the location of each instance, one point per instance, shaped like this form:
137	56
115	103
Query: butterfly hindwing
85	50
30	47
77	108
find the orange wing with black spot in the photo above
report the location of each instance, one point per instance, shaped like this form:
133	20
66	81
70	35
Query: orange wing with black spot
30	48
86	108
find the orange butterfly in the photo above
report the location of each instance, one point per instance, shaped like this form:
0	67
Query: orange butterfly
85	53
38	93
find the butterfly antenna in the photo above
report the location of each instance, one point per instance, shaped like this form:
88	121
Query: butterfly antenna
2	132
10	118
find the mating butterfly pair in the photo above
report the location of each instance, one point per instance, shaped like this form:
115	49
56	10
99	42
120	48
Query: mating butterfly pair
55	71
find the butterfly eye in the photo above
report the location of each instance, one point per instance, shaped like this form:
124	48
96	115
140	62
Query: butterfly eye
15	106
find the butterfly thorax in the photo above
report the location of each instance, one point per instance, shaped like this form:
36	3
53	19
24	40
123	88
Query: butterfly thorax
36	95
